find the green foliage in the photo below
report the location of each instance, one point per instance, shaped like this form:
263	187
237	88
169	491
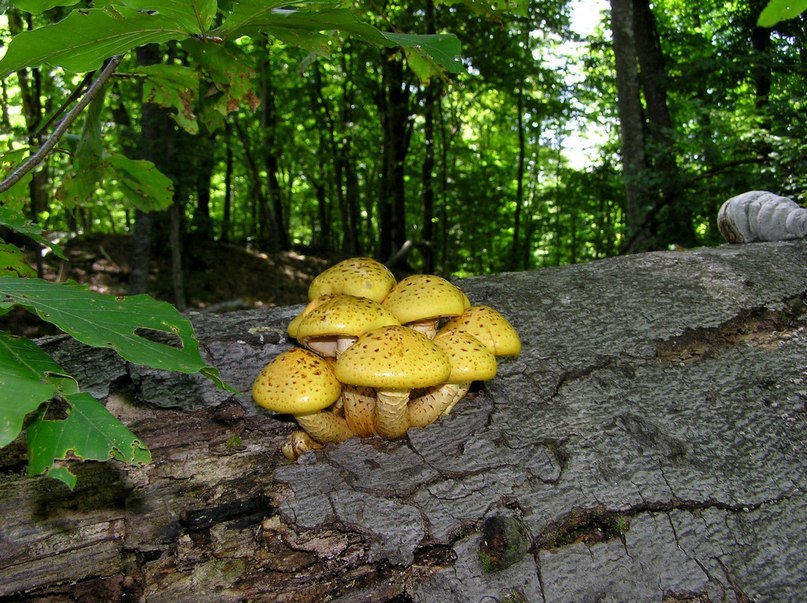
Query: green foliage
781	10
31	385
120	323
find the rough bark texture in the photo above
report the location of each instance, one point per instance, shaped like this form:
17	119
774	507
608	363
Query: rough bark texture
648	445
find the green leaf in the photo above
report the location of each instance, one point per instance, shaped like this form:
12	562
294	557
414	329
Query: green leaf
781	10
232	75
114	322
14	219
174	87
13	261
85	38
38	7
289	24
144	186
23	383
425	52
80	183
90	432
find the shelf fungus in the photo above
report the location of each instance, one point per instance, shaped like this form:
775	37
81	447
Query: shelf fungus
377	357
761	216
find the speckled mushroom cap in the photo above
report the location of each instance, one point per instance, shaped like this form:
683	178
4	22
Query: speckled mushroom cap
424	296
343	315
314	303
297	382
470	359
393	357
489	327
362	277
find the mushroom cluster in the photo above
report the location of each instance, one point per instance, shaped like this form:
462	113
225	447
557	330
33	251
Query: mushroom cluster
379	356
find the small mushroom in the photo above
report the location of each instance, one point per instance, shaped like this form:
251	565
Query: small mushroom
300	383
419	301
362	277
490	327
298	443
394	360
470	361
333	326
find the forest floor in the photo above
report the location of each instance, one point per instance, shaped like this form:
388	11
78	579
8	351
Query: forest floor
218	276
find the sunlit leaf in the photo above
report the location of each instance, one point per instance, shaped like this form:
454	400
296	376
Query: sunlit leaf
85	38
40	6
114	322
781	10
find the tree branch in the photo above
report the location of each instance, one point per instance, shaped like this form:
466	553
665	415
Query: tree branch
37	158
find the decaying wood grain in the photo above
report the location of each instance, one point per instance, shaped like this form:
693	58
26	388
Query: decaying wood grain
649	444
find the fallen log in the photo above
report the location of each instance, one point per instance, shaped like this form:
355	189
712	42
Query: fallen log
648	444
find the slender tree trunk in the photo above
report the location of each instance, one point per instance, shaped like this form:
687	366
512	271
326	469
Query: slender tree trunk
226	221
674	221
394	110
277	233
638	199
427	178
516	243
202	222
30	84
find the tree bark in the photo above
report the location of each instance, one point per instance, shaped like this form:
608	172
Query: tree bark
647	444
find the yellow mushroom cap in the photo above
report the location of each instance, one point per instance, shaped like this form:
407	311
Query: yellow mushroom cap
297	382
344	315
295	322
362	277
470	359
423	297
393	357
489	327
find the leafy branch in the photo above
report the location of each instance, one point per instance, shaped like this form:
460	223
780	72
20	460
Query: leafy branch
50	143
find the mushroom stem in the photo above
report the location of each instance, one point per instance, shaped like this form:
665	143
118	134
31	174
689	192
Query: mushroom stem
426	327
437	401
325	427
392	413
359	406
298	443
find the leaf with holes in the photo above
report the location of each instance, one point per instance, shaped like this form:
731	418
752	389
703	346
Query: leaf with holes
113	322
90	432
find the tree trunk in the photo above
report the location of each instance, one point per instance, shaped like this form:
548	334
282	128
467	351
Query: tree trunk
638	197
276	234
394	112
673	224
206	158
515	246
641	448
226	220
